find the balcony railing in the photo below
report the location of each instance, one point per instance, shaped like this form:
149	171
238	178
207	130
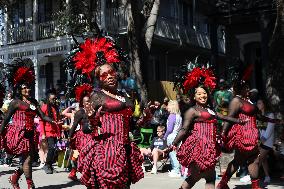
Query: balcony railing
171	29
19	34
45	30
116	20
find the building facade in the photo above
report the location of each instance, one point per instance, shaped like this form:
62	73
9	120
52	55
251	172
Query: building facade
183	31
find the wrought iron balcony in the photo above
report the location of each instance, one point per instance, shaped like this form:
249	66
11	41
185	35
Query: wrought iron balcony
116	20
45	30
172	29
19	34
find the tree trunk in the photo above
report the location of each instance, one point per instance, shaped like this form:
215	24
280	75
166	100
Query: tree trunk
140	31
134	54
151	23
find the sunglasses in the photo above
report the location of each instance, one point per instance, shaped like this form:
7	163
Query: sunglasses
25	88
104	75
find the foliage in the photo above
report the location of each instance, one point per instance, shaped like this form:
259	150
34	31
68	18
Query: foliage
77	18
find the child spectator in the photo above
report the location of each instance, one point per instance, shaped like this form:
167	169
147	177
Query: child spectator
157	148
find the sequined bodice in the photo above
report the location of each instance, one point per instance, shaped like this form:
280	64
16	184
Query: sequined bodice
115	121
24	116
205	126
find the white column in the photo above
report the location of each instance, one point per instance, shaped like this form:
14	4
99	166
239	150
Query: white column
35	15
5	20
35	61
6	59
103	15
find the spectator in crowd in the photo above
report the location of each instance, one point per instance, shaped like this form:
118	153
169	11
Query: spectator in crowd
184	103
165	104
158	117
157	148
63	102
174	123
50	132
42	146
164	109
145	119
281	156
253	96
4	109
266	137
222	97
7	101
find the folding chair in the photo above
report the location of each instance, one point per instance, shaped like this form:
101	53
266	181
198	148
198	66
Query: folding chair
146	137
164	162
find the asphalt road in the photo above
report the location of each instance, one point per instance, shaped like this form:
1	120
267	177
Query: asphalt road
59	180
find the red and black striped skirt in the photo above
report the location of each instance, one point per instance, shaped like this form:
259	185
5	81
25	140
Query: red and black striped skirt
80	140
110	164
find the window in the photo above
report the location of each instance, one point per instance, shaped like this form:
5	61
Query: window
44	11
17	14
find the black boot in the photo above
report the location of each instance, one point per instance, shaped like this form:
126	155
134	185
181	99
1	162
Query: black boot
48	169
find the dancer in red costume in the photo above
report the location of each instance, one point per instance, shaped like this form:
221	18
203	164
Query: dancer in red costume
243	138
77	138
110	160
19	137
199	151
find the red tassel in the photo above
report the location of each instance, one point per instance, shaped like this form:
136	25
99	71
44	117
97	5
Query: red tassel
247	72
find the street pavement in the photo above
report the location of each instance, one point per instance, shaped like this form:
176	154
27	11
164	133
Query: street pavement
59	180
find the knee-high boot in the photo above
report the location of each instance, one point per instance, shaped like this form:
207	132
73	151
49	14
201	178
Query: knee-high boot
30	183
255	184
14	178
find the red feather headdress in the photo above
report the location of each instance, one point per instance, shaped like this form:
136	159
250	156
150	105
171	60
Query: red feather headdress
199	76
83	90
95	52
23	75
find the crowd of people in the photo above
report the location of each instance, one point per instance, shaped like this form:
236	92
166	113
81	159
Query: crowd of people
101	124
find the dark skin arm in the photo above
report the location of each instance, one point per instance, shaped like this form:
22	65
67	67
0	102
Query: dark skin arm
234	108
229	119
189	117
263	118
96	101
77	118
13	106
87	128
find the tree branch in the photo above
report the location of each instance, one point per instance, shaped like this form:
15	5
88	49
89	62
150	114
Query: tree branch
146	11
151	24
